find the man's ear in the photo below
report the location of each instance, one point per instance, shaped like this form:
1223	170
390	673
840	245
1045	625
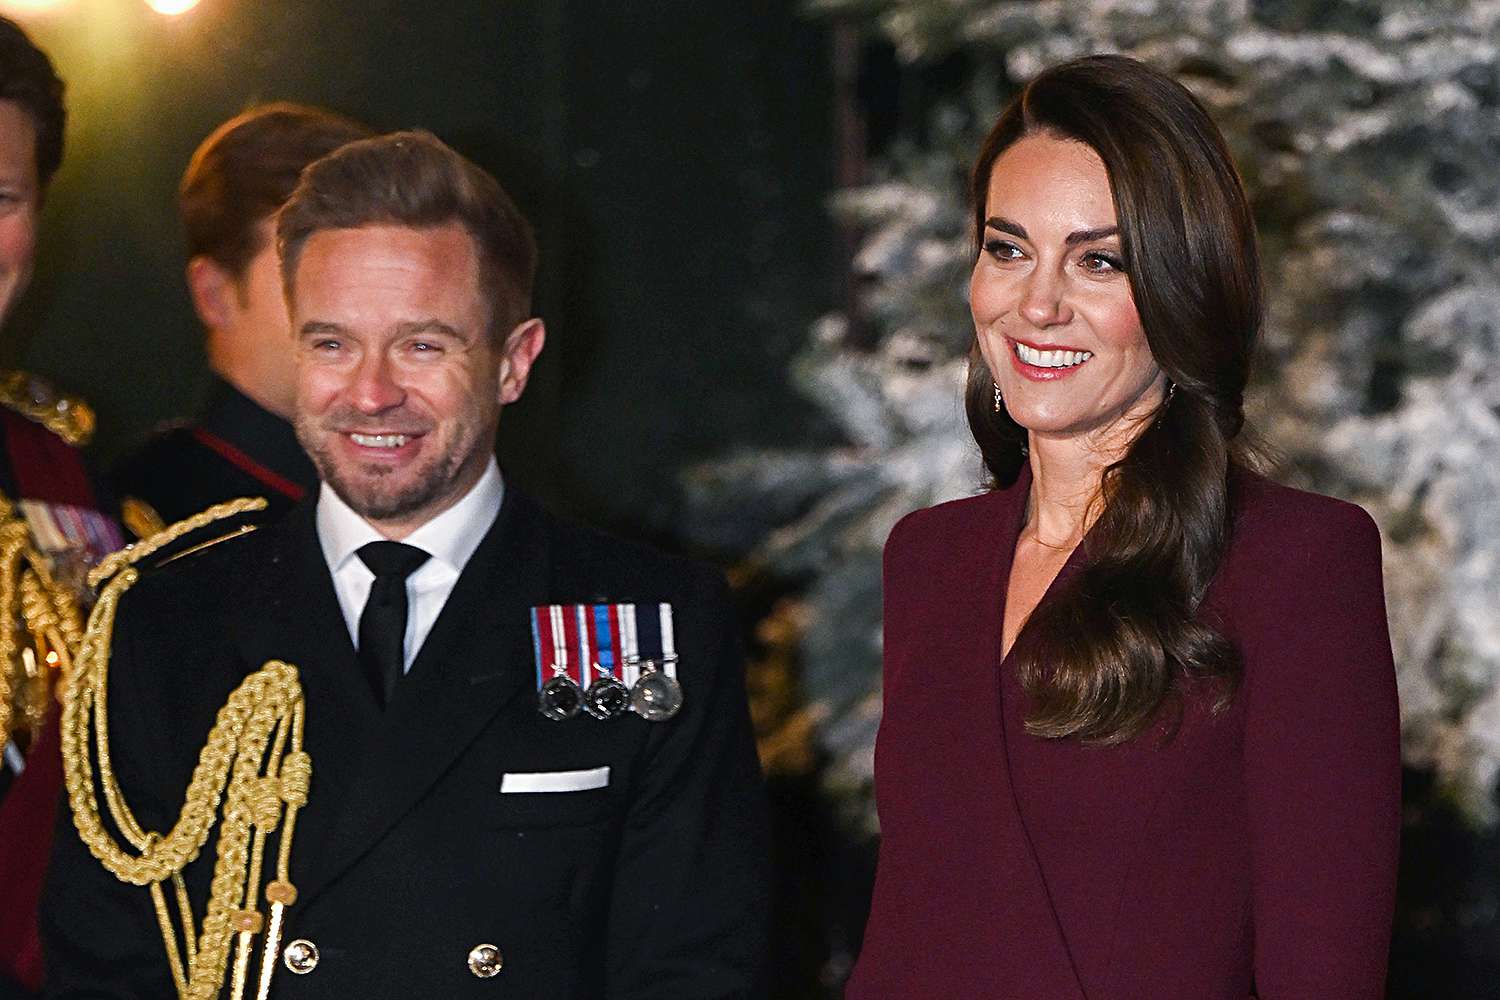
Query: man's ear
213	291
517	355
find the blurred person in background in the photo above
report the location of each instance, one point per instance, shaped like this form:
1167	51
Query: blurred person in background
45	486
243	443
1140	736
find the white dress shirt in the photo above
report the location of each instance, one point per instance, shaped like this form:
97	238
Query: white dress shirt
449	539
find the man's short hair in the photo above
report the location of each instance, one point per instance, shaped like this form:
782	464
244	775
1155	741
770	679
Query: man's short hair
27	77
246	169
413	179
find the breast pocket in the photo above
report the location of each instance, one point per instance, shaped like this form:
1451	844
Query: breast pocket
575	797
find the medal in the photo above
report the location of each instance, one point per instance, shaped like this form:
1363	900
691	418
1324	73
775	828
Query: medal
655	695
607	698
559	696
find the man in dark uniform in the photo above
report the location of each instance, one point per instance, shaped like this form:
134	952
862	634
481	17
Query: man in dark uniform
456	841
243	444
43	484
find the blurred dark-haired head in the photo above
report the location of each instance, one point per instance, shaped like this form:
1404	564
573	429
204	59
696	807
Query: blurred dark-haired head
244	172
28	79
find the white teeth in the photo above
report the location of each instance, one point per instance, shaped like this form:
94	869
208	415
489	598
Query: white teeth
379	440
1051	359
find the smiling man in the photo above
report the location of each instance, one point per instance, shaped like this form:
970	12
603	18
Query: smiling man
533	774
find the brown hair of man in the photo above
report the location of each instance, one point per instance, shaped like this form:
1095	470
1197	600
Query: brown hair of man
413	179
27	77
245	171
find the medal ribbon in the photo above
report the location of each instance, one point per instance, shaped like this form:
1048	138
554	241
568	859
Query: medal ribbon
668	642
554	631
630	650
604	639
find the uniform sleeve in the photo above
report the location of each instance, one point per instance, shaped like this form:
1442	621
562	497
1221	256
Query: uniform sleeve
1322	760
690	907
100	937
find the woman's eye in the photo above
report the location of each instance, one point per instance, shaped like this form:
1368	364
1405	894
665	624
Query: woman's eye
1102	263
1002	249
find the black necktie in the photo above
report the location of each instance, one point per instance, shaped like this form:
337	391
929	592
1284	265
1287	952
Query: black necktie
382	625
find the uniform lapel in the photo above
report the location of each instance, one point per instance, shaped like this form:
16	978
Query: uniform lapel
1032	896
476	659
294	616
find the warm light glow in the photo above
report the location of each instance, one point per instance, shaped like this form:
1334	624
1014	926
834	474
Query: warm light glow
29	6
171	6
52	658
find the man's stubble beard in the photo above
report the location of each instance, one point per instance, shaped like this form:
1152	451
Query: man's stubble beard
365	496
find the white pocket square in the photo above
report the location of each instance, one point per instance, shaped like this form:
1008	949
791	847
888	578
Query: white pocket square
555	781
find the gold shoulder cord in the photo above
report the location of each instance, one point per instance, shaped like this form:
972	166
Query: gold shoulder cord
32	601
264	712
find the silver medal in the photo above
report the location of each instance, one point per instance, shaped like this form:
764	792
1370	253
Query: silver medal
656	696
560	698
607	698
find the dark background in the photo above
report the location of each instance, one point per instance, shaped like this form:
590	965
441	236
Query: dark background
674	157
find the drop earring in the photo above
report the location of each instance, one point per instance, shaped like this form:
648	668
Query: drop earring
997	397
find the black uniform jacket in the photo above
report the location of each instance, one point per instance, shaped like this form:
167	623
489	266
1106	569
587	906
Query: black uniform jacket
237	449
407	854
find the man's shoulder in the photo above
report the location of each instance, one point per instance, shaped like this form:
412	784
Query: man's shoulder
603	566
208	557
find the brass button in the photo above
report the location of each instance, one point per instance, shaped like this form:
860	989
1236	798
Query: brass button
300	957
485	961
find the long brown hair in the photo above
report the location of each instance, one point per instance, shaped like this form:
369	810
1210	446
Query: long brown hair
1119	640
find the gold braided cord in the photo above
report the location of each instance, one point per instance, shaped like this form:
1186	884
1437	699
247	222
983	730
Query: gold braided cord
41	622
252	763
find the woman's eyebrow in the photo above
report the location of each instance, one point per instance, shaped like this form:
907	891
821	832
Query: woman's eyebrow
1005	225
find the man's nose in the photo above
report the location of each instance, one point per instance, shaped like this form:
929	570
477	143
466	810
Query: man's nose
375	388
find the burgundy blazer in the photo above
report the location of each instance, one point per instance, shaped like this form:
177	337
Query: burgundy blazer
1253	854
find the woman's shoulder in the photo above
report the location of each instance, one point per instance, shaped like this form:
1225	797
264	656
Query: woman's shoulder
951	522
1278	521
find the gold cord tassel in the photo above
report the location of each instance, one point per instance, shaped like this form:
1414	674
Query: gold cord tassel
252	761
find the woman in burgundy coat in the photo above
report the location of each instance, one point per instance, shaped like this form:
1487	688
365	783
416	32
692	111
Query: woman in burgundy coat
1140	737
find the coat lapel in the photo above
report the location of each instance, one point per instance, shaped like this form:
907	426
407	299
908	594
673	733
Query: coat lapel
1034	896
477	658
293	615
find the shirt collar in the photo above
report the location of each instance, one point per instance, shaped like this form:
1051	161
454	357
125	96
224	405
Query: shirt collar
449	538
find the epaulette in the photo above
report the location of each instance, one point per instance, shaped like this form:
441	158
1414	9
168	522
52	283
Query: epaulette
34	398
220	523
